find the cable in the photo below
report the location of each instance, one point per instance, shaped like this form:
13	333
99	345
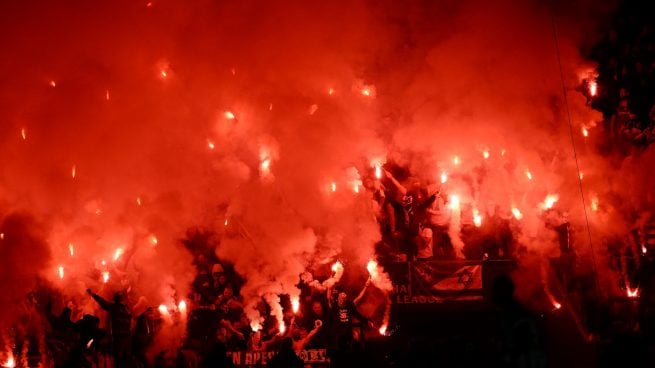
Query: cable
575	153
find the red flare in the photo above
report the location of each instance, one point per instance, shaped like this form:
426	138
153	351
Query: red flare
53	83
73	171
118	253
477	218
71	249
61	272
295	304
517	213
163	309
23	133
229	115
181	306
10	363
454	202
333	186
383	330
444	177
456	160
593	88
632	293
105	276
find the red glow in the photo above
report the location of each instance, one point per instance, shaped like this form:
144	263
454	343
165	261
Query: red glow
593	88
632	293
517	213
295	304
229	115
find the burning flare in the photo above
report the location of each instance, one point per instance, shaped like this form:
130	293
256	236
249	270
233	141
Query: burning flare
53	83
585	132
282	327
105	276
444	177
23	133
181	306
71	249
486	154
528	174
454	202
632	293
378	171
593	88
211	145
333	186
550	201
229	115
295	304
118	253
517	213
61	272
594	204
163	309
456	160
477	218
153	240
73	171
10	363
383	330
372	268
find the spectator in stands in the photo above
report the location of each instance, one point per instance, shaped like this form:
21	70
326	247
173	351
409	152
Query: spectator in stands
317	316
144	332
343	313
286	357
228	305
424	245
439	219
301	338
119	322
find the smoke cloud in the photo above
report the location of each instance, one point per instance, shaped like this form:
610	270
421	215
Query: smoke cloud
126	123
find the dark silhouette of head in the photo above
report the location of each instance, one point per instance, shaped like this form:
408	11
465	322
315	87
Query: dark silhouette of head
118	298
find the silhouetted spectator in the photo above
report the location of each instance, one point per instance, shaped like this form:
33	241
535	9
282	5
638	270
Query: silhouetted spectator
286	357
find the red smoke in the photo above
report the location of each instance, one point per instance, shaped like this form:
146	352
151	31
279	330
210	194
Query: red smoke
124	124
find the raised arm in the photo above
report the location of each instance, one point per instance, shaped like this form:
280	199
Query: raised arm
104	304
401	189
361	293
